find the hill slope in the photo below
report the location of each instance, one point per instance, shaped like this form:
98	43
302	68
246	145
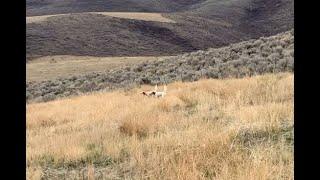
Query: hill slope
210	129
199	25
46	7
264	55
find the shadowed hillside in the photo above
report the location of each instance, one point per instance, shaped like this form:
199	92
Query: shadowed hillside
264	55
199	25
99	35
45	7
256	17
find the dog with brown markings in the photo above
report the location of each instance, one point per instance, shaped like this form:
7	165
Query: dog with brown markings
155	92
150	93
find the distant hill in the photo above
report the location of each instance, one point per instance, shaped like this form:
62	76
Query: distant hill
199	25
264	55
98	35
45	7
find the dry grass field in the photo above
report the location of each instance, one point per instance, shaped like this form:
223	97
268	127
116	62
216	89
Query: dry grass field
53	67
210	129
157	17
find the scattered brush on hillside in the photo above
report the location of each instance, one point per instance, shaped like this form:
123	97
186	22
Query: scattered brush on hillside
209	129
264	55
200	24
45	7
99	35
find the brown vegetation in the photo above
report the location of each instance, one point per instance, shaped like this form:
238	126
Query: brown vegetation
209	129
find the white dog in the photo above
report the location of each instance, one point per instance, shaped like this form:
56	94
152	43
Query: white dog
161	93
155	92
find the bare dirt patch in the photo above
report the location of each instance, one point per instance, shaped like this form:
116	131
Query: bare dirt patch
125	15
138	16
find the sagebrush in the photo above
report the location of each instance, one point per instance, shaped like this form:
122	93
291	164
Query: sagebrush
264	55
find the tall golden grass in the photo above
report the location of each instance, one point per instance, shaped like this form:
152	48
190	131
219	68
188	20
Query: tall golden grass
209	129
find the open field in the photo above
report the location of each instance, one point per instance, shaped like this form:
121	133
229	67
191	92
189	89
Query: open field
53	67
209	129
157	17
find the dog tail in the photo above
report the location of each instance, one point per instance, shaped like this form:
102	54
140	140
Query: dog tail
165	88
156	88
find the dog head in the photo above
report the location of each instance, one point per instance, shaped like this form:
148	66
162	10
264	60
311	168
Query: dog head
149	93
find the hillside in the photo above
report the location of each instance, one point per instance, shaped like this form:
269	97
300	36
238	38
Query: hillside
100	35
209	129
264	55
199	25
46	7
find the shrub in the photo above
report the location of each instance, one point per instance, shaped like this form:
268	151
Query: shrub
138	125
48	97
